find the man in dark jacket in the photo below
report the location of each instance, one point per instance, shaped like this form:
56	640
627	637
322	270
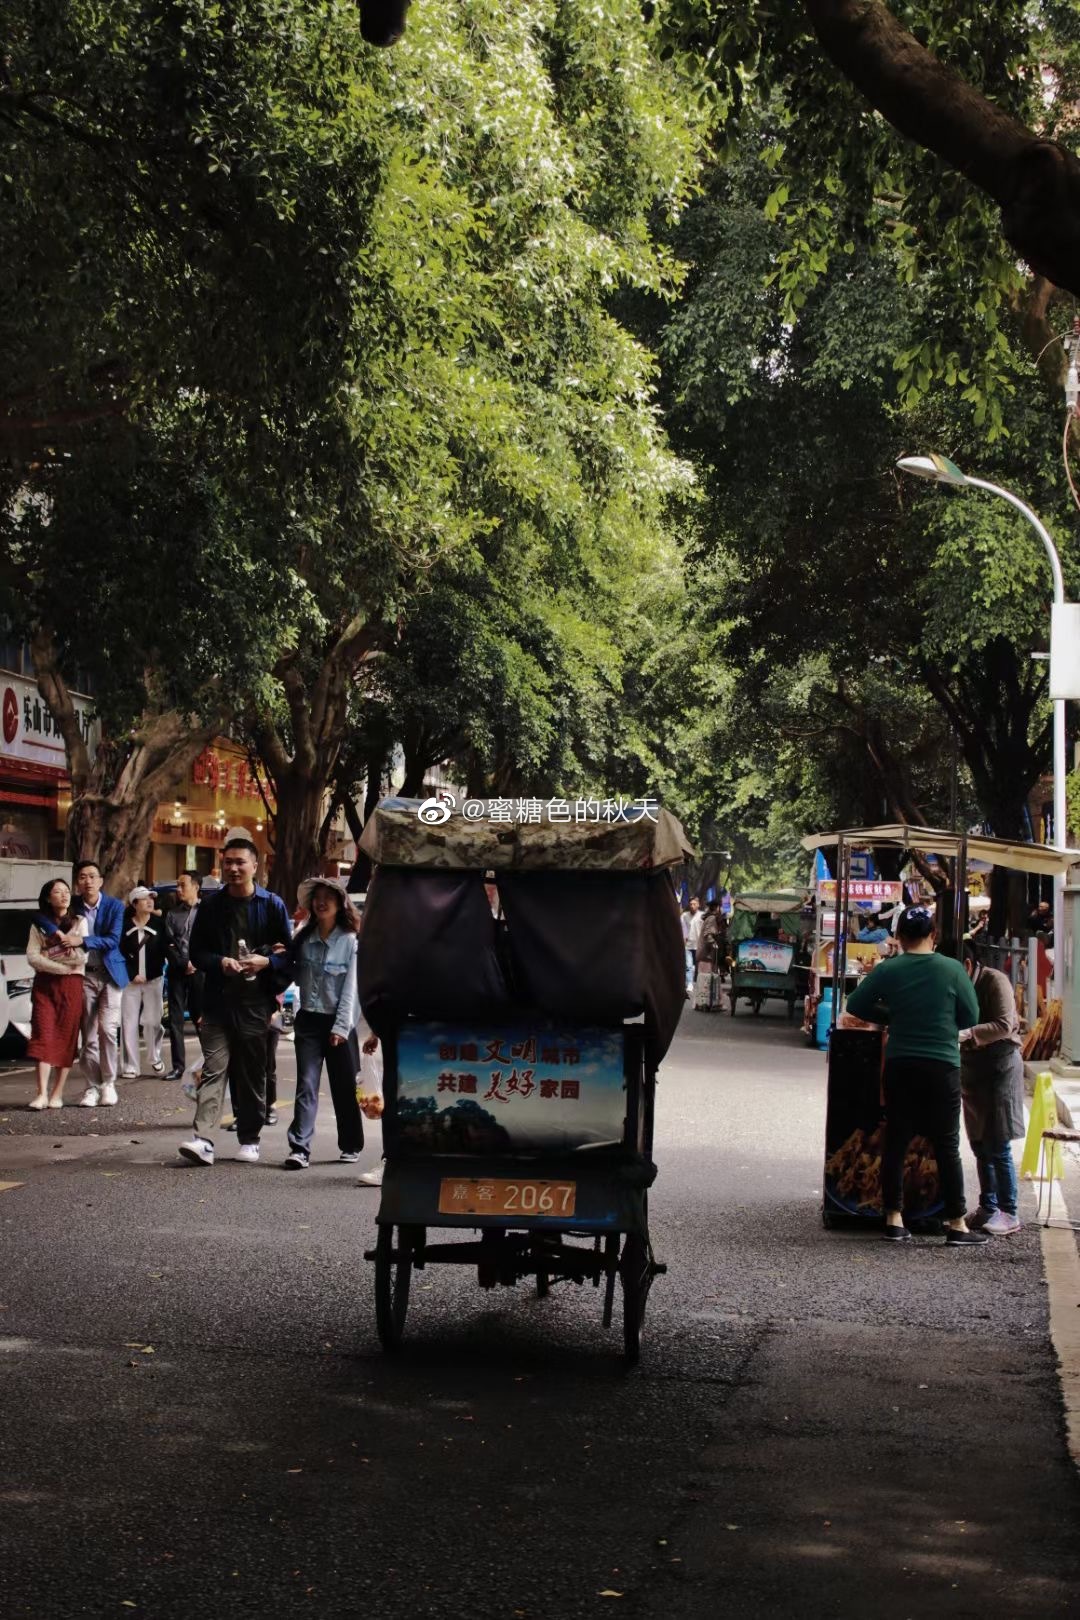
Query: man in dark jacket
239	940
185	980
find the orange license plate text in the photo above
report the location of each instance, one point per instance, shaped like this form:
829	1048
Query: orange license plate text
477	1196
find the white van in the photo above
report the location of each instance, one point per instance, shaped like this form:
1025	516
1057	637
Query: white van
20	884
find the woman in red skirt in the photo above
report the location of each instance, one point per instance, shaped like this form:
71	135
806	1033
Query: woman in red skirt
56	1000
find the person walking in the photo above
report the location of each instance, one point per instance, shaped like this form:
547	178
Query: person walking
992	1089
691	928
926	999
240	941
103	983
56	999
143	947
324	966
185	980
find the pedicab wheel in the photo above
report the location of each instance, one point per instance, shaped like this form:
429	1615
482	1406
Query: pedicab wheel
393	1273
636	1274
734	998
828	1219
543	1285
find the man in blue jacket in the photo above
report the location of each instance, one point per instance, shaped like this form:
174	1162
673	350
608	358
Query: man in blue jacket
103	985
239	940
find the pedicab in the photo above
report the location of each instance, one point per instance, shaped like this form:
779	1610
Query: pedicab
766	930
523	1021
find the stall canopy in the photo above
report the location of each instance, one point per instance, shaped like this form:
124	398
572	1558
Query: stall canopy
1040	858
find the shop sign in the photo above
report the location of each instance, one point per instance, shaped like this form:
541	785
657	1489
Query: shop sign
189	831
227	775
533	1088
879	891
29	730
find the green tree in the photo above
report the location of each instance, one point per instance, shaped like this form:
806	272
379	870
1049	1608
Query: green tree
362	300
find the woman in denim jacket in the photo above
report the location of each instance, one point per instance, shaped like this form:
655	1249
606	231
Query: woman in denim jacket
324	966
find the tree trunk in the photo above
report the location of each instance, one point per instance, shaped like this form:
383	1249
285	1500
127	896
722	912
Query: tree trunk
296	842
1035	182
114	825
115	795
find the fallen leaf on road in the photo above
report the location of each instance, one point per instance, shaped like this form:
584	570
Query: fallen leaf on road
731	1527
610	1592
111	1172
294	1470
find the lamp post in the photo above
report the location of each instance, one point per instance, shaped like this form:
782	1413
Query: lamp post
1063	677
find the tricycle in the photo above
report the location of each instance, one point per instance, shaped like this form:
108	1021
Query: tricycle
766	931
525	981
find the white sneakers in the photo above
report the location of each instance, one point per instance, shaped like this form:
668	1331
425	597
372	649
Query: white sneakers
371	1178
197	1151
105	1098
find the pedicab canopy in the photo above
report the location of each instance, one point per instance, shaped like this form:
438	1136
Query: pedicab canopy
785	905
589	932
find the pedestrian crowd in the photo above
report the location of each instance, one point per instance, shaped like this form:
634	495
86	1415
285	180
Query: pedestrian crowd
99	980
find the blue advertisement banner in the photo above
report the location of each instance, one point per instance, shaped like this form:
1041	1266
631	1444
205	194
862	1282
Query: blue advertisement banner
511	1088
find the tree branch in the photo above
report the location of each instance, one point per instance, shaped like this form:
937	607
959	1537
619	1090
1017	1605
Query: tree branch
1035	182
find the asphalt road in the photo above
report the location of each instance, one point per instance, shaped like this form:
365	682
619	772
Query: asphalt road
198	1419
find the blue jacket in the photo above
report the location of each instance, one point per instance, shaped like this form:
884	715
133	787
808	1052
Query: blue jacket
110	922
209	944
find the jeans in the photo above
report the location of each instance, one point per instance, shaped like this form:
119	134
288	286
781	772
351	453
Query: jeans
998	1187
313	1049
185	995
234	1055
922	1097
100	1030
691	967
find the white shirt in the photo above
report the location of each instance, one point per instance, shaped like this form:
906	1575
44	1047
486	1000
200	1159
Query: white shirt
693	933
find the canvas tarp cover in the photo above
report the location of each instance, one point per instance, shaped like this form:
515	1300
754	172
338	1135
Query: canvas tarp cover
395	835
586	947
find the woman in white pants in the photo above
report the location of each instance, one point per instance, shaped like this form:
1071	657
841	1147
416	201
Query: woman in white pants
143	945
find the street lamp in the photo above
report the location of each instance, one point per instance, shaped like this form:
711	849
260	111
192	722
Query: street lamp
1064	660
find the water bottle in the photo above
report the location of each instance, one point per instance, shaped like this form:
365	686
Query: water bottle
243	953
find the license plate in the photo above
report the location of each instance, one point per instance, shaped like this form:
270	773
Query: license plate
477	1196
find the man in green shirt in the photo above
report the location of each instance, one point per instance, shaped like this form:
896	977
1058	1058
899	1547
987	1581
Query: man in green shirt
926	1000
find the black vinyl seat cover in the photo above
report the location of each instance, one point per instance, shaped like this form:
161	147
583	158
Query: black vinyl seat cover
587	947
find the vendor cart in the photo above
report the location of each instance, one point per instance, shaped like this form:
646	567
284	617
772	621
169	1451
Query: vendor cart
766	931
520	1050
855	1117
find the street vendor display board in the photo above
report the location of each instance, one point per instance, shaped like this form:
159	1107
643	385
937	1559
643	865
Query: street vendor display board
855	1136
507	1089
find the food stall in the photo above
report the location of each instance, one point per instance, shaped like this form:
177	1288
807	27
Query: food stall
855	1118
869	894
